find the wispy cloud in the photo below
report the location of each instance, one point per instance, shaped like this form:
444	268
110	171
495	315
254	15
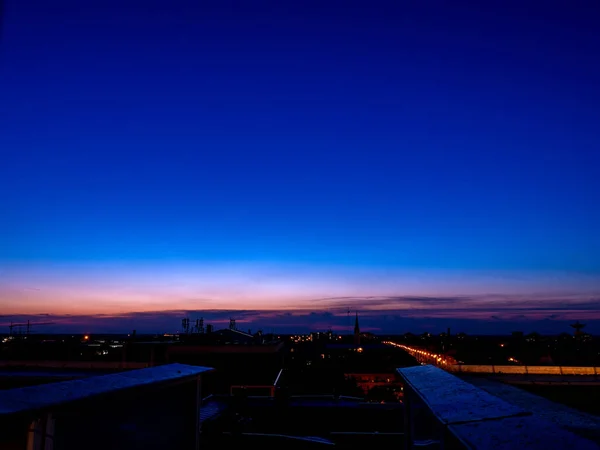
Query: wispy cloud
463	305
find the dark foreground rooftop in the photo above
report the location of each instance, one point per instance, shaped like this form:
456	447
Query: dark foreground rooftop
160	408
54	394
476	418
578	422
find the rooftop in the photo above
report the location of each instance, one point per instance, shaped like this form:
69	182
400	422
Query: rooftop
47	395
479	419
583	424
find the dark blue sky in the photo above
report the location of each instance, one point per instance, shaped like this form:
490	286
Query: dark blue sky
384	136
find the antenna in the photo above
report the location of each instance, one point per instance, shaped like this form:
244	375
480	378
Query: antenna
27	325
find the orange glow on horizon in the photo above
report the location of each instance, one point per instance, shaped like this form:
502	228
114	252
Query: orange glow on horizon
114	289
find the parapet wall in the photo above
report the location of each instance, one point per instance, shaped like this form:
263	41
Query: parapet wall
523	370
100	365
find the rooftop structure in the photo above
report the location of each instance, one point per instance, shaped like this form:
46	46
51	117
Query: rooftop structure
443	410
578	422
69	414
34	398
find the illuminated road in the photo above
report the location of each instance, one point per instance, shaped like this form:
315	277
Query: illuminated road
423	356
512	373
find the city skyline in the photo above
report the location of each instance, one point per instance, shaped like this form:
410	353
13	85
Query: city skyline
422	164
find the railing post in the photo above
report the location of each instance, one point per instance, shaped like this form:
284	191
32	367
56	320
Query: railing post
34	435
49	435
408	423
41	433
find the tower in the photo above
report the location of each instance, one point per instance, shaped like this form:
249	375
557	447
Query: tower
185	324
356	331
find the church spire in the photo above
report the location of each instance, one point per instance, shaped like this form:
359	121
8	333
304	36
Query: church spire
356	331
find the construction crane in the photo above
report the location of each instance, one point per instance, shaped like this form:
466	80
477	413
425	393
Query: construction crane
27	325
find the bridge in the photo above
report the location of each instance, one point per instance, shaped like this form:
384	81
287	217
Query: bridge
515	374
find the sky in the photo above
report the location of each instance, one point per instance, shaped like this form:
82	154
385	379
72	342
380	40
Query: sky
428	164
